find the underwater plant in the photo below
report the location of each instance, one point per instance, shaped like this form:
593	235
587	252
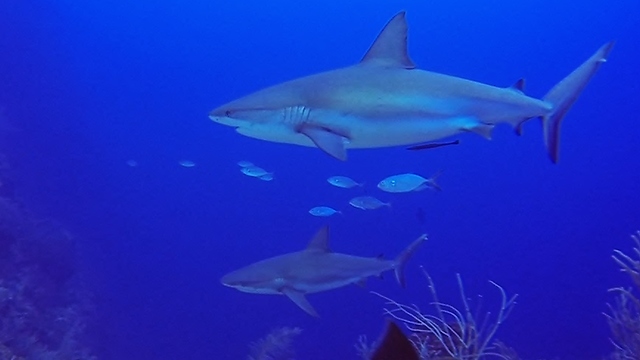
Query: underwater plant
624	313
276	345
451	333
43	309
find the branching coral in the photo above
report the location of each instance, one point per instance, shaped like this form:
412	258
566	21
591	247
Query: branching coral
42	312
276	345
451	333
624	316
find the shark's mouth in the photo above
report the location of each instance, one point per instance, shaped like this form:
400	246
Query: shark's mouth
225	120
245	117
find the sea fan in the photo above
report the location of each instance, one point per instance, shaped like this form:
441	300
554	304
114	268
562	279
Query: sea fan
453	333
276	345
624	313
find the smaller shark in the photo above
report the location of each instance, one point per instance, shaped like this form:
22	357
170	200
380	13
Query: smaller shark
314	269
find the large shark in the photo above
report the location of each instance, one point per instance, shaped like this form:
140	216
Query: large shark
314	269
385	101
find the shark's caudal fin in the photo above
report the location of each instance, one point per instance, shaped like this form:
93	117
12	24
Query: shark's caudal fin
565	93
404	256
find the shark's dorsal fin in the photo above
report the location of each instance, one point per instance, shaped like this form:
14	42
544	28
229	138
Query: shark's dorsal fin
390	47
320	241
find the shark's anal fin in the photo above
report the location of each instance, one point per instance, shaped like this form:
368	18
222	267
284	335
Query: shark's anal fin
362	282
327	141
298	298
519	127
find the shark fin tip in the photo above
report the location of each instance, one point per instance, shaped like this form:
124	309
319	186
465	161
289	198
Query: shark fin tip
390	47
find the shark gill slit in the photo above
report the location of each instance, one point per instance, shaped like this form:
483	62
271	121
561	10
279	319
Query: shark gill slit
296	116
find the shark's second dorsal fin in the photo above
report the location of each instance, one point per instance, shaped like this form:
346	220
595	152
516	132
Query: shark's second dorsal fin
390	47
320	241
518	86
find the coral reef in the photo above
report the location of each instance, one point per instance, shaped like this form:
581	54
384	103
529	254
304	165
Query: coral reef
451	333
624	313
276	345
43	311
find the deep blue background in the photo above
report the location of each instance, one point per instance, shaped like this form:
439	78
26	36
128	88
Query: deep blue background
90	85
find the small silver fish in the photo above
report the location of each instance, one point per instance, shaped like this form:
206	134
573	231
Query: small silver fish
367	203
244	163
187	163
408	182
343	182
132	163
266	177
255	171
323	211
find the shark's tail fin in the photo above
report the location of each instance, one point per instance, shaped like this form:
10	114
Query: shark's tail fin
404	256
565	93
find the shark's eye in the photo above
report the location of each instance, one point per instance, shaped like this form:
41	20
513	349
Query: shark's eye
227	113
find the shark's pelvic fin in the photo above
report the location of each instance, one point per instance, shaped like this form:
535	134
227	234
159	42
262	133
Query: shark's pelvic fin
298	298
327	141
390	47
565	93
483	130
320	241
474	125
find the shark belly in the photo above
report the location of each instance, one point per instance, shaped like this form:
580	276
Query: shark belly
275	132
309	288
396	132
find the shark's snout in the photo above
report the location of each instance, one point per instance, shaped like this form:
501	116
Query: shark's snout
225	117
230	280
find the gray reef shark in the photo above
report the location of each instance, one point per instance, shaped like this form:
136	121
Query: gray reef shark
314	269
385	101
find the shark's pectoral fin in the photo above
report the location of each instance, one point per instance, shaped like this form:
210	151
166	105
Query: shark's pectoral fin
298	298
327	141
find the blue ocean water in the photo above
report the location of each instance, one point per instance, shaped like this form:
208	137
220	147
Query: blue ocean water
88	86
